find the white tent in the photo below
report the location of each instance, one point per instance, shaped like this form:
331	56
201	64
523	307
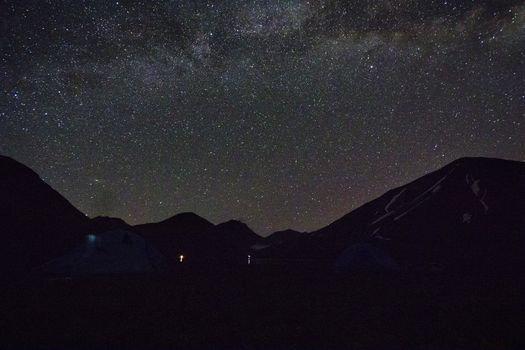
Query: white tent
117	251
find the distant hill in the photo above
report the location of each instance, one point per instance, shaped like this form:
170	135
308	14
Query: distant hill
284	236
199	240
183	234
238	233
105	223
37	223
468	215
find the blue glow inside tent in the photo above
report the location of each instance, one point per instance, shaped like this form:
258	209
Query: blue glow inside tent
91	238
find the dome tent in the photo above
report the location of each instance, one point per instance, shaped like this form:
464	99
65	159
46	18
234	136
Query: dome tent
116	251
364	257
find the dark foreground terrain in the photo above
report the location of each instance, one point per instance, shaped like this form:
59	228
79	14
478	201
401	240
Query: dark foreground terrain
261	307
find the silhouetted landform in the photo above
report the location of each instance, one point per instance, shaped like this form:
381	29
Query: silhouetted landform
284	236
37	223
467	215
199	241
453	240
101	224
238	233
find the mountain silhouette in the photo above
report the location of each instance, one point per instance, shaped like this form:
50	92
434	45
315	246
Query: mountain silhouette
200	241
466	215
238	233
280	237
105	223
37	222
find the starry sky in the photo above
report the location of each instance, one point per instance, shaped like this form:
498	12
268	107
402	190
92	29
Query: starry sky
283	114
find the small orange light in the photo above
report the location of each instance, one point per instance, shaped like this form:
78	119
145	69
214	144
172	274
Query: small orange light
181	258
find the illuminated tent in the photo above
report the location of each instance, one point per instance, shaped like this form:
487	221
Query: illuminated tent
117	251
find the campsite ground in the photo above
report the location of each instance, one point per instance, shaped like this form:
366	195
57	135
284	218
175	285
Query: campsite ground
262	308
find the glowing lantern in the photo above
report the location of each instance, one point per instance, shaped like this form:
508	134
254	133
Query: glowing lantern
181	258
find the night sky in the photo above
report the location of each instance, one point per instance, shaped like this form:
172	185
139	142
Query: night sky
284	114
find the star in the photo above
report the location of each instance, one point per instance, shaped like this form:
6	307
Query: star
288	114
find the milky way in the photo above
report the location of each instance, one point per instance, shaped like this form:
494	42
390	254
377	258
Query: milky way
284	114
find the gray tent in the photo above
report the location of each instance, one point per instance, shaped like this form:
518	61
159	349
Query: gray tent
365	257
117	251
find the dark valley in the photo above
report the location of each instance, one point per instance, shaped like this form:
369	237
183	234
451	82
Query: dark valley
432	264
